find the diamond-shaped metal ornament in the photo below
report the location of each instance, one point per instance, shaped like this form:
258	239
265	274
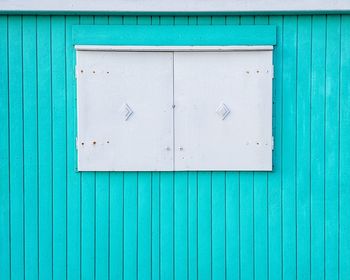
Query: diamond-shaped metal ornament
126	111
223	111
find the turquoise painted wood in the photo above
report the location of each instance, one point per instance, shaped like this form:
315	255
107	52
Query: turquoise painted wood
174	35
294	222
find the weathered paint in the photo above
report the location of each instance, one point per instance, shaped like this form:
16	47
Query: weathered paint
292	222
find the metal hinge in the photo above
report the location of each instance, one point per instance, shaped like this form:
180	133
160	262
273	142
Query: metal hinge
272	143
76	143
76	71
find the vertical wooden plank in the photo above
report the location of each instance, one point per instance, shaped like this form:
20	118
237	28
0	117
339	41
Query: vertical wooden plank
115	20
102	225
232	222
59	146
155	20
192	211
204	225
204	211
246	20
204	20
101	19
181	20
332	147
144	227
102	211
30	147
192	20
88	179
180	225
218	225
218	20
167	210
181	210
130	226
88	226
144	20
167	20
303	146
218	210
246	225
130	20
74	203
192	225
16	145
233	267
155	211
317	153
260	225
130	211
289	147
275	177
344	147
116	214
260	211
155	226
116	211
45	147
5	258
261	20
166	225
232	20
246	211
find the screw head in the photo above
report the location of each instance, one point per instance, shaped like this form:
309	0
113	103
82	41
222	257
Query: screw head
181	148
167	148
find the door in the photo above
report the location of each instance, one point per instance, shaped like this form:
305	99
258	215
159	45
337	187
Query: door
125	114
223	113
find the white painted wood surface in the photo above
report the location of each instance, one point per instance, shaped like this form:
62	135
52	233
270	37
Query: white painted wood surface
221	118
106	83
206	83
175	6
171	48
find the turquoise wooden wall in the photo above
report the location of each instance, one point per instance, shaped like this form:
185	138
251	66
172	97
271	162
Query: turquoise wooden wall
291	223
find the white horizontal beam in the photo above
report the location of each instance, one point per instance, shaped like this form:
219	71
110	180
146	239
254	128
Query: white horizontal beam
236	6
171	48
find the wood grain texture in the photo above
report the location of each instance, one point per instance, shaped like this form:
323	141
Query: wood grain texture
291	222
